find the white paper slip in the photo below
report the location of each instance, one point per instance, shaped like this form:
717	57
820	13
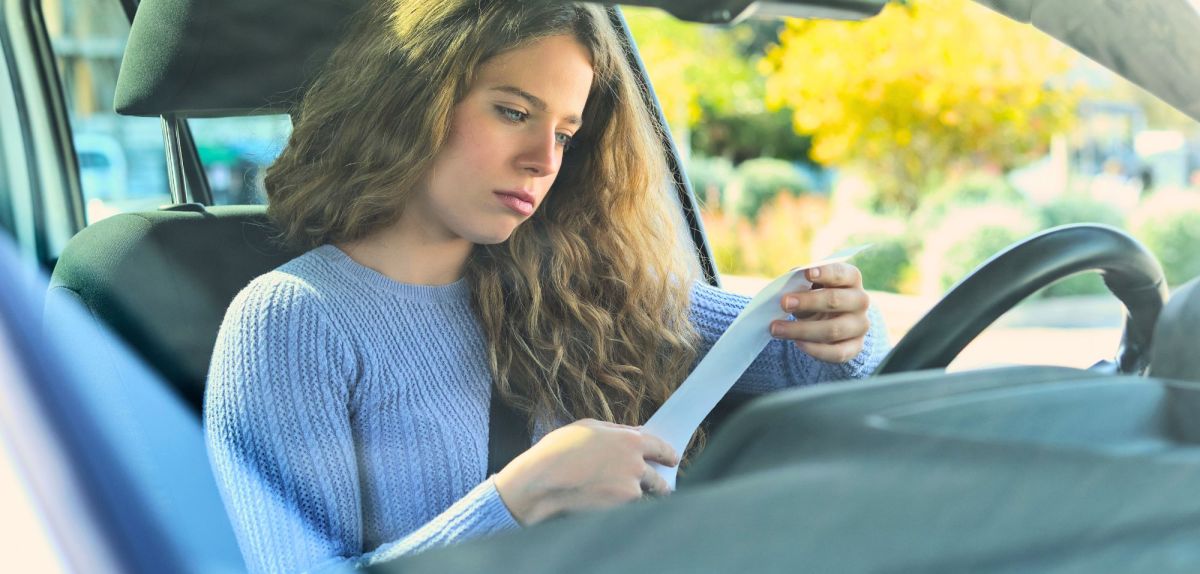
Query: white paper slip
677	419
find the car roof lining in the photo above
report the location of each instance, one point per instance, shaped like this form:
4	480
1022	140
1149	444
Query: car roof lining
1151	43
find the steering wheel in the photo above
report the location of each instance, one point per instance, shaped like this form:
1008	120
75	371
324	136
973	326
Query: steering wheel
1131	273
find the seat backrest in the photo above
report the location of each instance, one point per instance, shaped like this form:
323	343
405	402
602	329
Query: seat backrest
162	281
1174	351
121	472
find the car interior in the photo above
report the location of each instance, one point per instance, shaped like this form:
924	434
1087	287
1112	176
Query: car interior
1005	469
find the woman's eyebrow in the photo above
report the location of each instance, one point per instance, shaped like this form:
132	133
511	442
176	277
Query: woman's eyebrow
535	101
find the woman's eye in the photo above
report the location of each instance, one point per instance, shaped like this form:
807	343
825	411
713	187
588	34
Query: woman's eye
515	116
564	140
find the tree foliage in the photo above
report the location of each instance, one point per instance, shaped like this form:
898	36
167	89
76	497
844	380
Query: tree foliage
918	89
697	70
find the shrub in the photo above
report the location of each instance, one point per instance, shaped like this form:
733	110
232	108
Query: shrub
709	176
1169	225
968	236
1072	208
887	265
760	180
724	233
1075	208
780	240
969	190
782	237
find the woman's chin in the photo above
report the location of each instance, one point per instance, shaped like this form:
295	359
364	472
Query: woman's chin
492	237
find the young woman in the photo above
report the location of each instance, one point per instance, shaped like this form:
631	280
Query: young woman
482	191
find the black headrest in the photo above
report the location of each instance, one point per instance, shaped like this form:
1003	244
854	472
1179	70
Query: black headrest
163	279
225	57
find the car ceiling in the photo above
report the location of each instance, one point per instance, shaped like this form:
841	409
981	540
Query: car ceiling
1152	43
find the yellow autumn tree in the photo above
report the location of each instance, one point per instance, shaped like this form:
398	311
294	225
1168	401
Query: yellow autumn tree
694	66
920	88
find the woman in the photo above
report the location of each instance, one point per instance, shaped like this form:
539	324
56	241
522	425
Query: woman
480	187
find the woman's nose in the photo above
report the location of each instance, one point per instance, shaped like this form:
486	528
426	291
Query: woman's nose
541	156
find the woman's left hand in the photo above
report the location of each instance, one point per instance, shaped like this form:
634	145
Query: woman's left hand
831	319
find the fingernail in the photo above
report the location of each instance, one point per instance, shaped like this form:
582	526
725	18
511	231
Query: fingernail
789	303
774	330
814	272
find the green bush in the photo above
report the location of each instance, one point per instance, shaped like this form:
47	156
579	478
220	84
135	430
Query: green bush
759	180
1169	225
969	190
709	177
968	236
1079	209
885	266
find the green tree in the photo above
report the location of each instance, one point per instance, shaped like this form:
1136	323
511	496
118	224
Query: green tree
698	71
922	88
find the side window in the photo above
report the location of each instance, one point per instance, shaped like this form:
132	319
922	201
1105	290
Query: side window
13	183
7	224
122	166
236	152
10	134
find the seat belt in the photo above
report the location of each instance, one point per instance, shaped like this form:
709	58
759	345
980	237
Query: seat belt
508	434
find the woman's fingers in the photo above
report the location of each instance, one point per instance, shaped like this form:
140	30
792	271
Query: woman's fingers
835	275
826	300
655	449
841	352
653	483
835	329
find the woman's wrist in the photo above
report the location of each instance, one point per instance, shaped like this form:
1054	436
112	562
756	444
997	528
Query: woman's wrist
515	495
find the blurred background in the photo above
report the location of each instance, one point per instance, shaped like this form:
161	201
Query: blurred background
939	131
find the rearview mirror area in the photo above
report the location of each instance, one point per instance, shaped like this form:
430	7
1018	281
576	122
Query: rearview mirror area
733	11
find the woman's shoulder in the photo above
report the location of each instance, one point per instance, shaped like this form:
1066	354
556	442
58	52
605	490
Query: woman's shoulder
703	294
303	282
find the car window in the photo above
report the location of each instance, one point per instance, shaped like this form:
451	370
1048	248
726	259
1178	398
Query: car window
122	165
912	132
236	152
11	152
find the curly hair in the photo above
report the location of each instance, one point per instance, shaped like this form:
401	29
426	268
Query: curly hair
585	308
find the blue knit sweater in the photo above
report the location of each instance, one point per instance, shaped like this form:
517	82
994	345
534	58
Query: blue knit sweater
347	413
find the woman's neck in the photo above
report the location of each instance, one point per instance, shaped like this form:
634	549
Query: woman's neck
405	254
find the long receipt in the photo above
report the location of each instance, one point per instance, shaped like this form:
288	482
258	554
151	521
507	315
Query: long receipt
679	417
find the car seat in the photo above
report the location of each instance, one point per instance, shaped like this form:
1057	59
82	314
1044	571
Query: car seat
1174	352
163	279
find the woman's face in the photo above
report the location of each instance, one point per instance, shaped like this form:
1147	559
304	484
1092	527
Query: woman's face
506	144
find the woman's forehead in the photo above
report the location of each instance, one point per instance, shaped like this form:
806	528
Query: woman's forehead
556	71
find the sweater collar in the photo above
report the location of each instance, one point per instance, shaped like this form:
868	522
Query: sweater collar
457	291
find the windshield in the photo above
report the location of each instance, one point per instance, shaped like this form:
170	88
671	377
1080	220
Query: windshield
939	131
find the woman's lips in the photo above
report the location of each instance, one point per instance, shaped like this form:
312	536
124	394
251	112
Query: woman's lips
516	204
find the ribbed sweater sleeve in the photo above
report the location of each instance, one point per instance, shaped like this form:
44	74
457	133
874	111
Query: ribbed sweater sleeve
781	364
278	426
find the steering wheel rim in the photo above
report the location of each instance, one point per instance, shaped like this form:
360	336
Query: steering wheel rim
1129	270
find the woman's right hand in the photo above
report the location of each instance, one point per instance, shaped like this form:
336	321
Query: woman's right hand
585	465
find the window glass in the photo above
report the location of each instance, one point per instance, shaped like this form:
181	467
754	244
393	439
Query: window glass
11	152
912	132
122	166
7	225
236	152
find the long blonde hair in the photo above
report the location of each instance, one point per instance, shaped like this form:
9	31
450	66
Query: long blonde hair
585	307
